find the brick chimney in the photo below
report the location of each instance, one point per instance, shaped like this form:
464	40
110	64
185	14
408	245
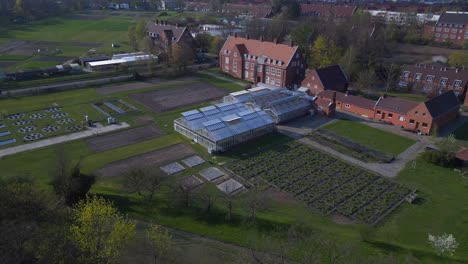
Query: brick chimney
275	41
247	36
334	97
291	44
235	35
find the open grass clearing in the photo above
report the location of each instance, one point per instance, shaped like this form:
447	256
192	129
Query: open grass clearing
371	137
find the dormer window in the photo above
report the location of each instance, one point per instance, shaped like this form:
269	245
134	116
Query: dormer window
443	82
417	77
457	83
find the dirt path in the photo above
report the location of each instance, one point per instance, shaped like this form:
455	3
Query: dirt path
110	89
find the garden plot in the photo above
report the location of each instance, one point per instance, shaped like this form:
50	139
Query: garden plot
117	107
193	161
123	138
166	99
190	183
157	157
43	123
327	185
172	168
211	174
230	186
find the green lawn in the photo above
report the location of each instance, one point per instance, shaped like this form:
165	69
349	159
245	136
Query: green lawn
442	207
371	137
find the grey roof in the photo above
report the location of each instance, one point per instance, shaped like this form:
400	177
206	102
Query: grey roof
442	104
460	18
332	77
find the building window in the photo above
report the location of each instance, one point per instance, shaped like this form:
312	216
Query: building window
272	81
246	74
424	124
437	35
259	68
347	105
411	121
277	82
253	65
424	114
446	30
438	29
456	83
246	64
278	72
226	67
390	115
406	74
378	112
443	82
267	79
418	76
315	86
267	69
235	55
234	65
401	118
226	60
429	78
444	35
454	30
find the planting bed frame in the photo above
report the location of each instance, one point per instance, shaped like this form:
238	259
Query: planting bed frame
326	184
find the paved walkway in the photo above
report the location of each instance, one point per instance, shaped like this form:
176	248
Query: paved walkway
61	139
302	127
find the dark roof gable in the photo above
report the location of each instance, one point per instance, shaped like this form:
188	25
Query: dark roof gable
442	104
332	77
454	18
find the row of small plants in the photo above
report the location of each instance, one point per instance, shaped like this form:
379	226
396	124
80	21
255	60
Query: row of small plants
324	183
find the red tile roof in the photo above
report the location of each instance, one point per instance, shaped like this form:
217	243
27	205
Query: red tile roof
326	10
349	99
395	104
322	102
276	52
462	154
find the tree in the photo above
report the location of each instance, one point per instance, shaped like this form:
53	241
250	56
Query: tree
140	30
302	35
203	42
391	73
366	80
132	38
255	201
100	230
443	244
19	10
458	59
290	9
324	53
144	181
67	180
161	244
180	56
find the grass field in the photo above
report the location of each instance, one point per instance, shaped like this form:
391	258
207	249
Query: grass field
371	137
442	206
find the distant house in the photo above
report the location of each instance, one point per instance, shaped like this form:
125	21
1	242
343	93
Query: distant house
260	61
328	78
451	27
424	117
114	6
327	11
434	80
124	6
165	35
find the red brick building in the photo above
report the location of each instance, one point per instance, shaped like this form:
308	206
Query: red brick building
262	61
328	78
328	11
165	35
325	106
451	27
422	117
434	80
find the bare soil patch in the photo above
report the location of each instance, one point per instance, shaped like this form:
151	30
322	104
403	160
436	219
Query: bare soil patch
109	89
5	64
280	196
163	100
157	157
123	138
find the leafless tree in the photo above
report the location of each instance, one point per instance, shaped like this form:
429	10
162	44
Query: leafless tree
391	73
255	201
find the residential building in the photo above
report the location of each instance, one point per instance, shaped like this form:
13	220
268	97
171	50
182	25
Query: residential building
240	10
434	80
165	35
260	61
327	11
425	117
451	27
328	78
